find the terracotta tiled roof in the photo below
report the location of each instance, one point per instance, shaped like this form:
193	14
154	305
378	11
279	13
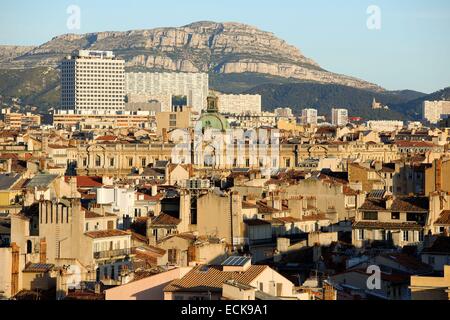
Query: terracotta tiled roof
314	217
387	225
38	268
212	278
91	215
349	191
5	156
288	219
165	220
373	205
411	204
87	182
106	234
107	138
139	237
414	144
444	218
408	204
263	208
248	205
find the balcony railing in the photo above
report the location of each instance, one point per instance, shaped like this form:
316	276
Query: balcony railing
112	253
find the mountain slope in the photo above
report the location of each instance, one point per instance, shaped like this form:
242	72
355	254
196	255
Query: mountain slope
413	107
217	48
324	97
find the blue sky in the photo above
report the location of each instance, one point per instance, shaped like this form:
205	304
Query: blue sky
411	51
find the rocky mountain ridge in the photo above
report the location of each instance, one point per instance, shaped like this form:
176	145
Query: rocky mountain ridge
220	48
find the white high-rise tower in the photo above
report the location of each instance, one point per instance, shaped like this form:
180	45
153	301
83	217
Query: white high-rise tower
93	81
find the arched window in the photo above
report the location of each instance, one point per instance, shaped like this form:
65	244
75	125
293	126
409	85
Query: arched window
98	161
29	247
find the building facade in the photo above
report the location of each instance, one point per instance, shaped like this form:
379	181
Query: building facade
93	81
195	86
339	117
309	117
239	103
434	110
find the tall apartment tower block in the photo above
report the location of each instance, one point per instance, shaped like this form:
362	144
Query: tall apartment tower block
93	81
339	117
434	110
309	116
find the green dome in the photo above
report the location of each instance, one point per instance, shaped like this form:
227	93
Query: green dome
214	121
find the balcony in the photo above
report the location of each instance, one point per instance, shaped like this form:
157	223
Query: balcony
112	254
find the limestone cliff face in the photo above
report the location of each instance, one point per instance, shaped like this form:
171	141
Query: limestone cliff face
9	53
198	47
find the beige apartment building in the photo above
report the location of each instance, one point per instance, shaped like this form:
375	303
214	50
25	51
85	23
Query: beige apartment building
180	118
437	177
434	110
239	103
92	121
397	221
94	81
194	86
19	120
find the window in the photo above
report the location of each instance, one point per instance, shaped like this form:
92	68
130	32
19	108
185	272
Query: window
360	234
137	212
172	256
421	235
98	161
261	286
87	227
395	216
370	216
130	162
144	162
288	163
406	236
111	162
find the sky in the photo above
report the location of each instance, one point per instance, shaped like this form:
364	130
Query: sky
410	50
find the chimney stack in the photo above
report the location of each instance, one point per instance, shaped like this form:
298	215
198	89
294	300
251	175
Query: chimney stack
43	251
165	135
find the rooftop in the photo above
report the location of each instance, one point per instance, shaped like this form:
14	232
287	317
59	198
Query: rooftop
106	234
212	278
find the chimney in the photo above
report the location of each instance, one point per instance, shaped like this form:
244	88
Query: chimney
73	187
43	251
276	201
438	175
15	250
165	135
154	191
9	166
42	164
389	202
45	144
283	244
